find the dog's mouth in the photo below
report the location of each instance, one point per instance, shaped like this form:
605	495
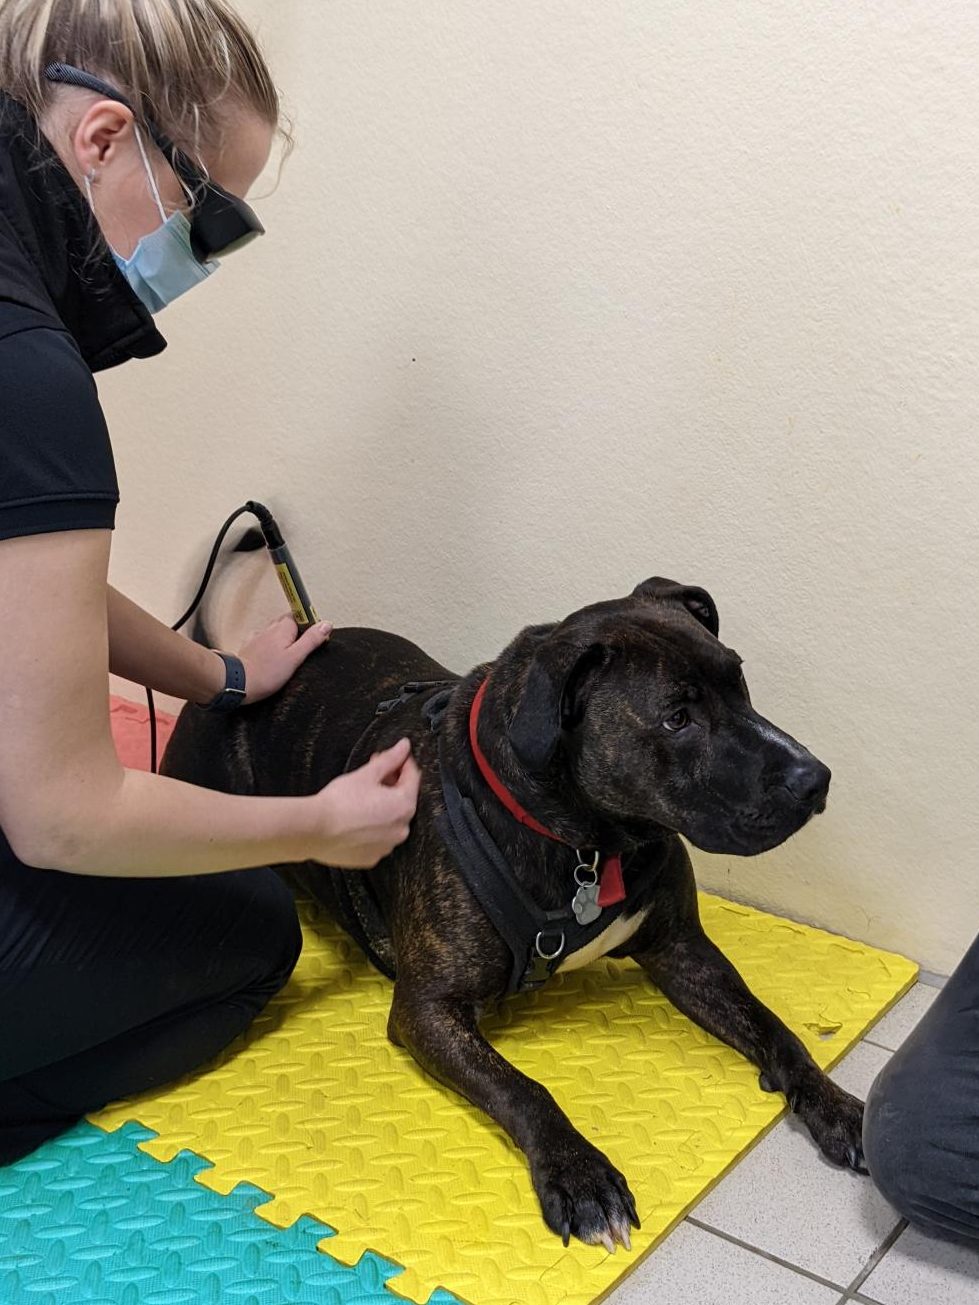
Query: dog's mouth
749	833
771	829
810	808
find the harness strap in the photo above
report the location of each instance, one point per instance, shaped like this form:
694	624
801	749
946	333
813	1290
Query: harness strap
515	916
408	691
538	940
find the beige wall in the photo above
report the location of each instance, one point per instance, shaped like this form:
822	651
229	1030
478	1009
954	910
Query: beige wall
558	295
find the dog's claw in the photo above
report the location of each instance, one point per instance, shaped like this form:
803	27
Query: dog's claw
629	1202
582	1195
620	1231
834	1118
766	1084
854	1158
567	1214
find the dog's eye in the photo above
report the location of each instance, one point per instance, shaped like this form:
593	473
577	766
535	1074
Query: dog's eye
678	721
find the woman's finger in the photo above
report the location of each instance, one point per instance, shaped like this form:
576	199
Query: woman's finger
310	640
410	778
388	764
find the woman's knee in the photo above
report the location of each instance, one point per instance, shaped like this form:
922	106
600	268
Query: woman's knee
246	937
921	1153
889	1142
286	931
268	927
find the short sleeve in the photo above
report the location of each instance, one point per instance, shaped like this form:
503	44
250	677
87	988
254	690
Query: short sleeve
56	466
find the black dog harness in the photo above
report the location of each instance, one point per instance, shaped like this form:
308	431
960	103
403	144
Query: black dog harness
539	940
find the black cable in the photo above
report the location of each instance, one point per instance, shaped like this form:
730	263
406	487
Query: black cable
201	589
211	562
152	706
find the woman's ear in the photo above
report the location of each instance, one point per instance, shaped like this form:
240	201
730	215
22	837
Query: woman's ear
102	130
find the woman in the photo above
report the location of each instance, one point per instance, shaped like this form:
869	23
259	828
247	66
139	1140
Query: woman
126	958
921	1125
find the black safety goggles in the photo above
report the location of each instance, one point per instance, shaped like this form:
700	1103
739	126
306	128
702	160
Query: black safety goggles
219	221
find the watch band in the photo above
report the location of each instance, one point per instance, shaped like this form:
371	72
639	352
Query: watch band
233	693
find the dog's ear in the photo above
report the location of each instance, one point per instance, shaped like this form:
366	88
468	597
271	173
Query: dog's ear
698	602
553	699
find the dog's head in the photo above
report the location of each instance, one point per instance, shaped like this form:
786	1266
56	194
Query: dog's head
650	713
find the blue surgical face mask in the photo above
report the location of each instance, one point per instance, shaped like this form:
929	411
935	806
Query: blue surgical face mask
162	266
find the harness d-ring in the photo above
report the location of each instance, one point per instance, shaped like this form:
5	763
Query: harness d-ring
548	956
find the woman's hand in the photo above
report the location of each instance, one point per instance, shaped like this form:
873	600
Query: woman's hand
362	816
273	655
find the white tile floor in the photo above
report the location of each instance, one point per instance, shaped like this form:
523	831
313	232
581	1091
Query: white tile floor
786	1228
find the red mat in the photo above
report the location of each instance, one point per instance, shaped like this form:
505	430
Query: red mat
131	732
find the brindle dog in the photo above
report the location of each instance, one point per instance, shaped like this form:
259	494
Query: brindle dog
619	728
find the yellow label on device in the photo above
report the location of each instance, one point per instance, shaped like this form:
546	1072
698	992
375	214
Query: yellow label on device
292	596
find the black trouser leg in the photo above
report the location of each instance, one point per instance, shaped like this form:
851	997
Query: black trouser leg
921	1129
110	987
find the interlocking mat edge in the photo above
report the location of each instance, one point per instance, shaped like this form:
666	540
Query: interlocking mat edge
315	1106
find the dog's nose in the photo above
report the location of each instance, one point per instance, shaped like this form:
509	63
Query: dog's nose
808	780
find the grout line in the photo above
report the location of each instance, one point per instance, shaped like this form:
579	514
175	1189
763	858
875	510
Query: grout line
879	1045
877	1256
766	1255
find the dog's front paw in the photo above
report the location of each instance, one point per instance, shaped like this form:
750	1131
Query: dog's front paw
581	1194
834	1118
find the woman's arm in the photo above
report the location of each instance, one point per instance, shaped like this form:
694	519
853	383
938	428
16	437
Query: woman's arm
146	651
66	803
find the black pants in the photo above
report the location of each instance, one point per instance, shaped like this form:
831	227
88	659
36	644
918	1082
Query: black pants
113	986
921	1129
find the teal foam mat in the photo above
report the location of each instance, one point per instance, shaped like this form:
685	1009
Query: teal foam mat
90	1220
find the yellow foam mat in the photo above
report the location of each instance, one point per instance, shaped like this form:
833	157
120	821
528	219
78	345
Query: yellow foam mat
315	1106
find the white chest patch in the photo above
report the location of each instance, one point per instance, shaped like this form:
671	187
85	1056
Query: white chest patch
618	932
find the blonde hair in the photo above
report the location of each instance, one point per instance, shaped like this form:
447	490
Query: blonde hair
182	63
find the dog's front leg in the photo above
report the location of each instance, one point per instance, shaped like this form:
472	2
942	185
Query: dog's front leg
702	983
580	1192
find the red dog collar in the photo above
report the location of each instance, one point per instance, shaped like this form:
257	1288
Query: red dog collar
611	886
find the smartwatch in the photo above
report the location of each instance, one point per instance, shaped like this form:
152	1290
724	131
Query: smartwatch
233	693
